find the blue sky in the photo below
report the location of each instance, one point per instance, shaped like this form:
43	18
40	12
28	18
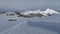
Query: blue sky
29	4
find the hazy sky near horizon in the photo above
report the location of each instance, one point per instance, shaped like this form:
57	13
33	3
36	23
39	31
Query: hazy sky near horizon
28	4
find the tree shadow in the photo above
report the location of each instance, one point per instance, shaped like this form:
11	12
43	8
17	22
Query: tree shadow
46	25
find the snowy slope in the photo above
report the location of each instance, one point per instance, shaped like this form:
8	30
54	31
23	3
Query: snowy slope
42	25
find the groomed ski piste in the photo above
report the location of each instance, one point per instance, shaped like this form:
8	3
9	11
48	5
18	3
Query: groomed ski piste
47	22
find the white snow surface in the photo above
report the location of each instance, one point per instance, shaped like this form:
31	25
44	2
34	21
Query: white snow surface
46	25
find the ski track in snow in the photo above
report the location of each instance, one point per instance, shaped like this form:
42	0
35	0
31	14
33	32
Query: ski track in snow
13	27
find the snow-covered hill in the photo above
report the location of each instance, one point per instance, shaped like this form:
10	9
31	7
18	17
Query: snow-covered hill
11	24
37	13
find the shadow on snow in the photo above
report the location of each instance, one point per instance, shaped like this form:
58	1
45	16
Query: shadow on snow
46	25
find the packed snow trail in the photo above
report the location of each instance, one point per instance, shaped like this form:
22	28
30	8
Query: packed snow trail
13	27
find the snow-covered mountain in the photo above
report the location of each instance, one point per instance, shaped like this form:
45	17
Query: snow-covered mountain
39	13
